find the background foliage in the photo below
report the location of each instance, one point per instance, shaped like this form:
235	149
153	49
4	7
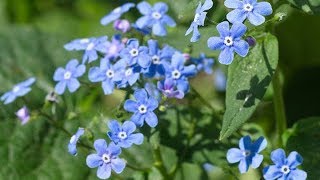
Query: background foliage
32	34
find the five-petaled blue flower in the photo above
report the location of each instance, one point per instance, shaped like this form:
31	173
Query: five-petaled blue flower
229	41
199	18
168	87
158	56
251	9
284	168
107	73
142	108
91	46
68	77
203	63
18	90
116	13
179	72
154	17
123	136
135	54
106	159
247	154
130	74
72	146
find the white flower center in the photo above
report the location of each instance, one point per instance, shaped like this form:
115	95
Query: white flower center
155	59
73	139
110	73
106	158
156	15
117	10
83	41
142	109
67	75
285	169
246	153
176	74
122	135
228	41
167	91
16	89
134	52
248	7
196	17
128	72
90	46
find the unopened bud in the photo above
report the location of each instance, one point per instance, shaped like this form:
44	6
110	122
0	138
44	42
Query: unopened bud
122	25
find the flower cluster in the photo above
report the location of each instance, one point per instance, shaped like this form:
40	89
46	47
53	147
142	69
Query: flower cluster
248	155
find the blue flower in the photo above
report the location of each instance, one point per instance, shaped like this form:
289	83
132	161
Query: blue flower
168	87
130	75
144	30
199	18
250	9
179	72
114	47
220	80
18	90
284	168
72	146
68	77
90	45
152	91
229	41
158	56
107	73
154	17
116	13
123	136
122	25
203	63
135	54
247	154
106	159
142	108
23	115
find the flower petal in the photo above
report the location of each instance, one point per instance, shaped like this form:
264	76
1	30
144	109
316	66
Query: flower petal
104	171
131	106
233	4
151	119
129	127
136	138
215	43
73	84
241	47
223	28
168	20
196	34
243	166
263	8
256	161
60	87
294	159
271	172
234	155
259	145
114	126
107	86
93	160
144	8
152	104
160	7
100	145
143	21
118	165
245	143
226	56
140	95
237	30
236	16
137	119
278	156
207	5
159	29
297	174
59	74
255	18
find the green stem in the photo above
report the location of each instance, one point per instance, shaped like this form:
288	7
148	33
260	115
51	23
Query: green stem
281	122
159	162
137	168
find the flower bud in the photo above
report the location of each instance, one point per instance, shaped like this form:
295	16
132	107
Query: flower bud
122	25
23	115
251	41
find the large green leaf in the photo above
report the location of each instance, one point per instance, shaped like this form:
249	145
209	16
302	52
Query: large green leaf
308	6
305	140
248	80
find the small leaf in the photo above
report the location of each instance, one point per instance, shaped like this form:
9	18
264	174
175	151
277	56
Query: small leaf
305	140
248	80
308	6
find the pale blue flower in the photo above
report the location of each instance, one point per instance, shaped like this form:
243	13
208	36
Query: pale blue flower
18	90
68	77
229	41
203	63
23	115
169	88
199	19
251	9
72	146
134	54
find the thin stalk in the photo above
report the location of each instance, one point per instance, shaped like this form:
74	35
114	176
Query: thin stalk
137	168
159	162
281	122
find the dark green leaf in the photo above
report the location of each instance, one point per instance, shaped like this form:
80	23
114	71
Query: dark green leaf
308	6
248	80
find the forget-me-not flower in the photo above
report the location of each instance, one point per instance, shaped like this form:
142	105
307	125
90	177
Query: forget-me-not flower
143	108
18	90
91	46
116	13
199	18
23	115
158	56
154	17
229	41
248	154
68	77
284	168
130	75
107	73
106	159
251	9
168	87
72	146
123	136
114	47
203	63
135	54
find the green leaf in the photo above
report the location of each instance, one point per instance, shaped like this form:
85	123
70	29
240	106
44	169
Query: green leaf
248	80
308	6
305	140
